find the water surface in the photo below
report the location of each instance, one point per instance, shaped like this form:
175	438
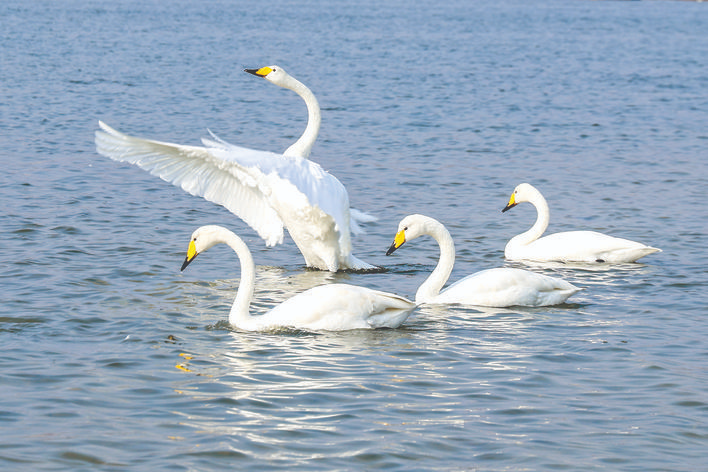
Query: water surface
114	360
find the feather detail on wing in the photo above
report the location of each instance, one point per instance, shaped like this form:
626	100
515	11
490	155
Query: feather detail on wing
234	183
358	217
286	174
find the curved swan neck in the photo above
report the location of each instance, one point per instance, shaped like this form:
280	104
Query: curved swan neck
244	294
542	219
434	283
303	146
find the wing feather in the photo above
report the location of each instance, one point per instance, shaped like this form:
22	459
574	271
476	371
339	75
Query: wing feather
199	172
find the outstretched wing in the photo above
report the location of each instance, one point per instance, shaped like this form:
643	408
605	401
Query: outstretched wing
235	182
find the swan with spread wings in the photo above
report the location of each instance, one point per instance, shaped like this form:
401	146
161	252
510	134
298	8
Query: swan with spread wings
267	190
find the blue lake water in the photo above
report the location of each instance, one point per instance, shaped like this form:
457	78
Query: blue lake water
114	360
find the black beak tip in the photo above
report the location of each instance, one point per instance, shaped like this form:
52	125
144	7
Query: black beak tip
507	208
185	263
391	249
252	71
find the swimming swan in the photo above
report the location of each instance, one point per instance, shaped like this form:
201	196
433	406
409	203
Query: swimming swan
570	246
268	191
330	307
498	287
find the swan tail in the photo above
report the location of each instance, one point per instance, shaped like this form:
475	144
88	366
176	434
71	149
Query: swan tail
645	251
388	310
357	264
651	250
357	217
392	317
631	254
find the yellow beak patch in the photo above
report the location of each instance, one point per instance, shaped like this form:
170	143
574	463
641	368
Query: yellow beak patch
399	239
511	204
191	250
397	242
191	254
263	71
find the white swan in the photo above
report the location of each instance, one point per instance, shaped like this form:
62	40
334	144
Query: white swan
330	307
498	287
266	190
570	246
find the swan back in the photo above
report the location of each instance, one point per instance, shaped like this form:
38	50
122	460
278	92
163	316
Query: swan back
503	286
335	307
580	246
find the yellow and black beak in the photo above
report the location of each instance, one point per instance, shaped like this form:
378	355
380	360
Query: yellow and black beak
512	203
191	254
262	72
397	242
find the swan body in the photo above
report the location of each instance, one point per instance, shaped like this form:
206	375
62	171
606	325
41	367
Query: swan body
330	307
499	287
268	191
569	246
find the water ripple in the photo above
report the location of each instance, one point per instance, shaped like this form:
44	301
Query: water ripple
113	359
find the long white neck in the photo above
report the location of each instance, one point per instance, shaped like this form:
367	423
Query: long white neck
434	283
239	310
303	146
539	227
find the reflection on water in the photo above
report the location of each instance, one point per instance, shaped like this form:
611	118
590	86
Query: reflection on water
272	389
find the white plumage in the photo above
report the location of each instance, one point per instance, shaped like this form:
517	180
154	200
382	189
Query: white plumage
330	307
268	191
499	287
569	246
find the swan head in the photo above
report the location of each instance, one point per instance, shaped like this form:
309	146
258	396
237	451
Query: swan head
202	239
274	74
522	193
411	227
